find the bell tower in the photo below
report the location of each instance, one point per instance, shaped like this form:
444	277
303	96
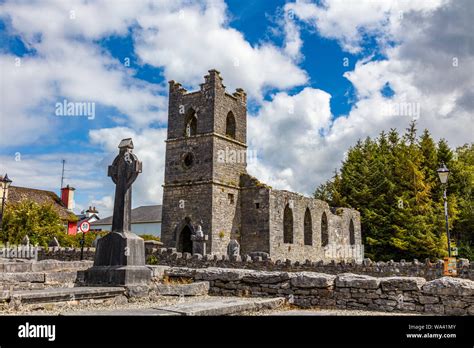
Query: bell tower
206	154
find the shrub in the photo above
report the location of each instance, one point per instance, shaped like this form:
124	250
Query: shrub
149	237
151	260
40	222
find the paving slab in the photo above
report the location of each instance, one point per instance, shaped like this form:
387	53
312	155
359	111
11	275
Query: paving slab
200	307
65	294
122	312
233	305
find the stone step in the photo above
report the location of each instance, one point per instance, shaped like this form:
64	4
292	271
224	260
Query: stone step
65	294
226	306
200	307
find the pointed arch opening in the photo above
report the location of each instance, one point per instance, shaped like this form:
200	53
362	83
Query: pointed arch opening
185	244
351	233
288	225
324	230
191	123
182	236
308	228
230	125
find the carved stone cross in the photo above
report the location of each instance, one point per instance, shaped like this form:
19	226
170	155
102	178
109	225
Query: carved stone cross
120	255
124	171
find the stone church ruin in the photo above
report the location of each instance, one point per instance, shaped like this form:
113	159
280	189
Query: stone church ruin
207	188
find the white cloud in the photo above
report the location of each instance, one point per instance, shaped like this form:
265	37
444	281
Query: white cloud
419	69
183	38
298	143
287	135
189	40
69	64
349	20
104	205
149	147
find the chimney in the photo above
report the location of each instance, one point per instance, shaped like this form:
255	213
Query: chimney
91	211
67	196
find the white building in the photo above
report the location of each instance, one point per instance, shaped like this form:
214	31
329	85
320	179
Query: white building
145	220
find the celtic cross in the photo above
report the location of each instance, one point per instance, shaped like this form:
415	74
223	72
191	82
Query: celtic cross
124	171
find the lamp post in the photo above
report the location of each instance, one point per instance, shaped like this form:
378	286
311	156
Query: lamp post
443	174
5	183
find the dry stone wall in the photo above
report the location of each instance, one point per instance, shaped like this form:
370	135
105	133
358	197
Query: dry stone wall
170	257
415	268
444	296
34	275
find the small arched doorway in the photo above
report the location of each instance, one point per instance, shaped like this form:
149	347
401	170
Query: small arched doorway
185	245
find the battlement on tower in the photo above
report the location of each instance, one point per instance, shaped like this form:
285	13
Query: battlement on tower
213	84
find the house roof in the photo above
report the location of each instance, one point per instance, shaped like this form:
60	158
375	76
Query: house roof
83	217
145	213
17	194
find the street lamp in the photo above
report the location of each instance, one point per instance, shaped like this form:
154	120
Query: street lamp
5	183
443	174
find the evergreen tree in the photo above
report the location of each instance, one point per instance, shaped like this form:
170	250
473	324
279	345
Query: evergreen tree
393	182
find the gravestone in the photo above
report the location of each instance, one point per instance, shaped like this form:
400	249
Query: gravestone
96	241
199	241
120	255
54	243
233	248
25	240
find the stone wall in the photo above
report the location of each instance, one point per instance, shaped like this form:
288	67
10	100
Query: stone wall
444	296
255	231
415	268
65	254
339	245
29	274
169	257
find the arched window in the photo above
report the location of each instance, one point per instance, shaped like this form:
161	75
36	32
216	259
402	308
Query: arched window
351	233
287	225
308	228
324	230
230	125
191	123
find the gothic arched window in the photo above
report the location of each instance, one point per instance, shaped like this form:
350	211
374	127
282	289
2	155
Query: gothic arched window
351	233
287	225
191	124
230	125
324	230
308	228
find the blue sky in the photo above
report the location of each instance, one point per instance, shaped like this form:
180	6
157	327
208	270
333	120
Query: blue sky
334	68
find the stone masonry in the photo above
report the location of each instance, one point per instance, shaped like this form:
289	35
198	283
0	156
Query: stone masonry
206	184
443	296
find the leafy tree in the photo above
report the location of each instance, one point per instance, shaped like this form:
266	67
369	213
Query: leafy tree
40	222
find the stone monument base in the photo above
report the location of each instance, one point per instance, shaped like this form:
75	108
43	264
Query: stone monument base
119	261
118	275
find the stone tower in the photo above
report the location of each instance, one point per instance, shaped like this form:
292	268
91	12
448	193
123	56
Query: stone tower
205	157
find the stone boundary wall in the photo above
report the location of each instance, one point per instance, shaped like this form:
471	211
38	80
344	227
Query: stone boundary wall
169	257
444	296
65	254
35	275
427	270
